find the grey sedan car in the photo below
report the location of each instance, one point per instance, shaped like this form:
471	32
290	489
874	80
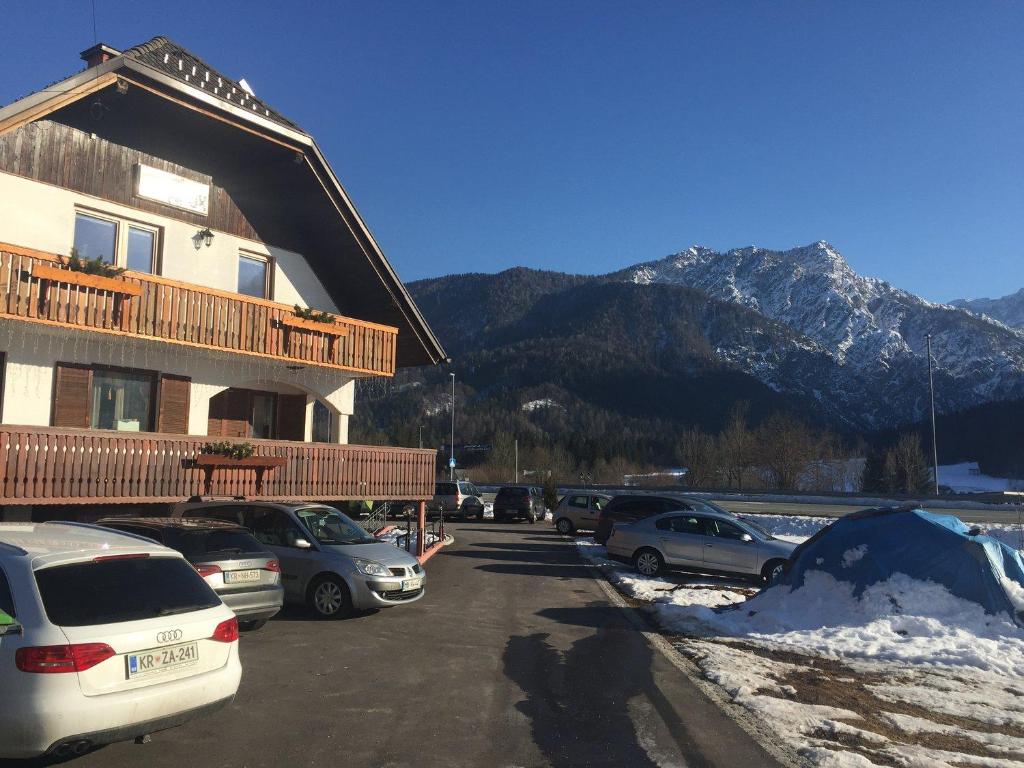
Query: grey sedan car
705	541
328	562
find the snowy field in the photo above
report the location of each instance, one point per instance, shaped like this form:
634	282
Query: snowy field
906	675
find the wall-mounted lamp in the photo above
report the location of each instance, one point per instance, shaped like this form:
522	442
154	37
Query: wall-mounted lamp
202	236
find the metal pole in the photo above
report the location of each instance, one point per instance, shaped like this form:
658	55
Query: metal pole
517	460
421	435
451	464
935	443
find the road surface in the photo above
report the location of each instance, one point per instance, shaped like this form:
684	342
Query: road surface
515	657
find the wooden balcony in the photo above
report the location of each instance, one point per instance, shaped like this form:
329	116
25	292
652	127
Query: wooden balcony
49	465
35	288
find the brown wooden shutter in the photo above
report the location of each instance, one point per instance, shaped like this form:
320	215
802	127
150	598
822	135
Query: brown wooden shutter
291	417
172	415
72	393
230	412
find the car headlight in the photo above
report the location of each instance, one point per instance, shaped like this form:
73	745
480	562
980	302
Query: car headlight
370	568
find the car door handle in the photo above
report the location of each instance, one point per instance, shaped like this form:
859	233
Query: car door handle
709	545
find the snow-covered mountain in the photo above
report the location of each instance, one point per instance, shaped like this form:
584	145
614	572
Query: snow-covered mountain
875	333
1008	309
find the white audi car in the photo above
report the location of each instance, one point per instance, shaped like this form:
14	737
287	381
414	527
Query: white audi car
104	637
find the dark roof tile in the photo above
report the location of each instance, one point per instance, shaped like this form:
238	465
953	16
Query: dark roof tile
171	59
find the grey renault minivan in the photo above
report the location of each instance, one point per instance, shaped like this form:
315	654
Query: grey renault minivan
328	561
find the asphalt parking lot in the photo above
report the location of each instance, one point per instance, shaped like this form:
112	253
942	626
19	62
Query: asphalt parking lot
515	657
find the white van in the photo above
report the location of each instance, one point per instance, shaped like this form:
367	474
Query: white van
104	637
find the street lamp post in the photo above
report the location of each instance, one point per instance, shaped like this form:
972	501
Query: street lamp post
421	435
935	442
451	462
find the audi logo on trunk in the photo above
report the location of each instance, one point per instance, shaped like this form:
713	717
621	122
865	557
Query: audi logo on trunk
168	637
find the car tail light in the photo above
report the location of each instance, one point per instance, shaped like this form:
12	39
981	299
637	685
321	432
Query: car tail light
207	569
226	631
273	565
132	556
62	658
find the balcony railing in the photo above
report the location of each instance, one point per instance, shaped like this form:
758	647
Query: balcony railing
48	465
34	287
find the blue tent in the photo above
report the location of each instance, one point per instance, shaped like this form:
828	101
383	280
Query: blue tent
871	545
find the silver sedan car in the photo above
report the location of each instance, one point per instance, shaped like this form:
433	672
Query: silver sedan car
705	541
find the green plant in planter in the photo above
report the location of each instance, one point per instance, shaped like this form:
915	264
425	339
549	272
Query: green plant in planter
315	315
95	266
231	450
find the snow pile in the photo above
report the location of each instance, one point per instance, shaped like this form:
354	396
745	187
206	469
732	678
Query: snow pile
398	537
899	619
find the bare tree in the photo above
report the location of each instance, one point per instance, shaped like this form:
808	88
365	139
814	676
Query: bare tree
736	443
697	451
906	469
786	447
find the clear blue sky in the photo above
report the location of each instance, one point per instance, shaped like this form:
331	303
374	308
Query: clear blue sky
586	136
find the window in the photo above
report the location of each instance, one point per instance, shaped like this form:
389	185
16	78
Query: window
96	238
127	244
6	598
121	400
140	251
682	524
329	526
252	276
578	501
232	514
724	530
600	503
321	422
272	527
263	414
78	595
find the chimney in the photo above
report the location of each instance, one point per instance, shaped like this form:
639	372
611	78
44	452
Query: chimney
98	54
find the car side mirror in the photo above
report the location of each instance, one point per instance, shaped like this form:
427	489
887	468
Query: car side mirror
14	628
302	544
746	537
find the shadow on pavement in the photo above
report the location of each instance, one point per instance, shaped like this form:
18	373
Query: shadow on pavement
586	691
551	570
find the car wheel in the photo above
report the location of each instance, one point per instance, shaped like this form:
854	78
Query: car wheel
648	562
329	598
773	571
251	626
564	526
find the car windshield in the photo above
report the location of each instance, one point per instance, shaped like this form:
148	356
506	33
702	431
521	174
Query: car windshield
329	526
757	528
515	493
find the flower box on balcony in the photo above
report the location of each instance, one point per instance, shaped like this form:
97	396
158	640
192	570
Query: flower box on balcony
100	283
215	460
332	329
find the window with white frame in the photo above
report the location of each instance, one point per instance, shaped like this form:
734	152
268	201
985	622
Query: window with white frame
254	275
125	243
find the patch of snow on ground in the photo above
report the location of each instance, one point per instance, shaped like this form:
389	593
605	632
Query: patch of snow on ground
851	556
967	477
941	653
398	536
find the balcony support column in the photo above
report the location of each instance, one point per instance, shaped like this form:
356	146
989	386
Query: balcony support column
421	527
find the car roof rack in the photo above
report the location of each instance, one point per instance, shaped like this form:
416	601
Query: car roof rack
199	498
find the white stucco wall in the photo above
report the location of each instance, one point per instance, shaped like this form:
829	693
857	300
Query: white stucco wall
33	350
42	216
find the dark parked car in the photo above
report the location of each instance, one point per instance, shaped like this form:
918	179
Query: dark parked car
519	502
244	573
630	507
